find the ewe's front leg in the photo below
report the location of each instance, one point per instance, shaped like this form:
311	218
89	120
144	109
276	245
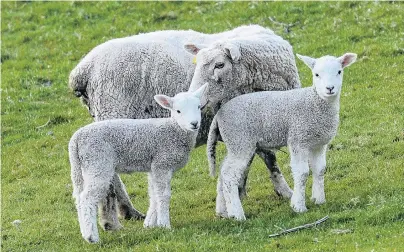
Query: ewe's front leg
281	187
126	209
108	215
162	189
317	161
300	169
151	216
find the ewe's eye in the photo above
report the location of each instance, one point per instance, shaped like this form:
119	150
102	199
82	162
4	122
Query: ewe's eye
317	75
178	111
219	65
339	72
199	107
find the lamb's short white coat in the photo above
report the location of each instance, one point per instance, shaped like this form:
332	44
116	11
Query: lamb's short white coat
305	120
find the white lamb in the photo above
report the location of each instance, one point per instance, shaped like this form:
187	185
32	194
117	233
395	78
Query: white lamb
305	120
158	146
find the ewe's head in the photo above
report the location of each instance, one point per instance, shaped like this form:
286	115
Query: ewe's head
215	65
327	73
185	108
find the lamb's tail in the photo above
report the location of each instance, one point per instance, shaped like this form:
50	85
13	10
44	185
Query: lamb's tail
76	172
211	146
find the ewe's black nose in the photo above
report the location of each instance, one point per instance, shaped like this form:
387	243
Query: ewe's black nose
195	124
330	88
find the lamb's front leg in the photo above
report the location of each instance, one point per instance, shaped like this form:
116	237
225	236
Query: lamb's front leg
300	170
151	216
162	189
317	161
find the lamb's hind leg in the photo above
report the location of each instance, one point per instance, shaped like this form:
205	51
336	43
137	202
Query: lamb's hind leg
281	187
95	189
231	174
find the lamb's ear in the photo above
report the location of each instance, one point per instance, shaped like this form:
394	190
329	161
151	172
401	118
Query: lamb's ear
310	62
194	48
233	51
164	101
199	92
347	59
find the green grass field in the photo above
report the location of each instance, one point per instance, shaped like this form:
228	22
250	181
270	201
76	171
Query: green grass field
42	42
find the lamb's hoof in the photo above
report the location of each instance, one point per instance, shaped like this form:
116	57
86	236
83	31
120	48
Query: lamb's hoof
222	215
240	217
299	209
129	213
92	239
318	201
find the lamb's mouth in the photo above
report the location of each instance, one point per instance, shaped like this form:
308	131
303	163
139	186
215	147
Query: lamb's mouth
194	128
330	93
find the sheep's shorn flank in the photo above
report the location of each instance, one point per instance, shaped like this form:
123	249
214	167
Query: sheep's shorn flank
118	79
159	146
305	120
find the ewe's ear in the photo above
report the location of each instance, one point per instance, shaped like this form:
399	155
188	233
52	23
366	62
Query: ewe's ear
199	92
164	101
310	62
233	51
347	59
194	48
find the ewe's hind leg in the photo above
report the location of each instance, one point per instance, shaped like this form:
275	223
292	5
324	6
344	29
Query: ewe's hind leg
151	216
317	160
95	189
300	169
231	174
281	187
126	209
108	216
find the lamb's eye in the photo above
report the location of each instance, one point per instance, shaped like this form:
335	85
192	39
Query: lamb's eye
317	75
178	111
199	107
339	72
219	65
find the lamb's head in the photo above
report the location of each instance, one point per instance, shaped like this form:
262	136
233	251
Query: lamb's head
327	73
185	108
216	65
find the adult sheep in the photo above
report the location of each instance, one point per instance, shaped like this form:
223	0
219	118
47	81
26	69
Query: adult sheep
119	78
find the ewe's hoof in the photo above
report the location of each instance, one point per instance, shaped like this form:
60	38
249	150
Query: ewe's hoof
111	227
287	194
129	213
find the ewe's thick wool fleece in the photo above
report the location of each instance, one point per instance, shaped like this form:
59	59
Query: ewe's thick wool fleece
119	78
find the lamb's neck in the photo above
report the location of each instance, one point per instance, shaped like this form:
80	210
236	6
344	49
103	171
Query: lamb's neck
331	103
188	137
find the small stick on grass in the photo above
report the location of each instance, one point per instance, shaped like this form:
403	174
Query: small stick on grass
287	231
44	124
